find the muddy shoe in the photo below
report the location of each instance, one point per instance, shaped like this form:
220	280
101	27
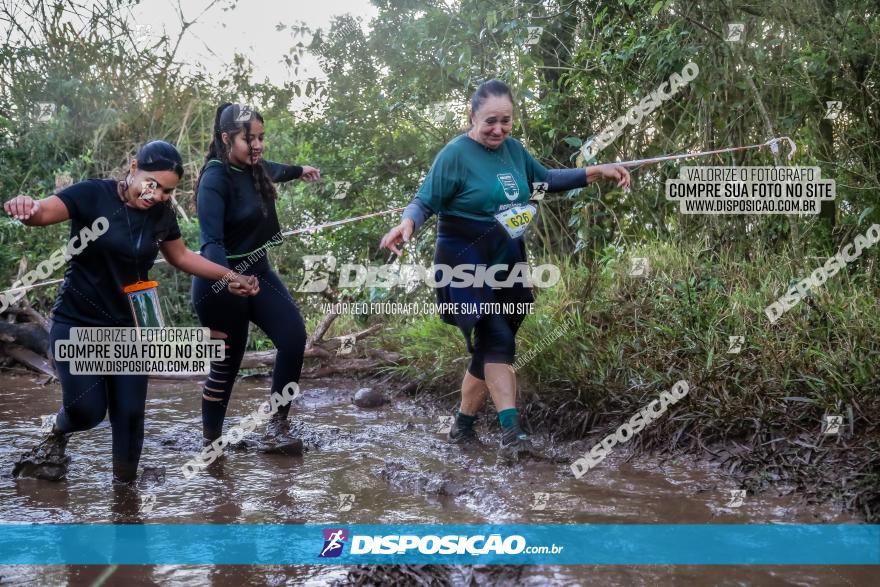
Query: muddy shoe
462	436
46	460
278	440
516	447
215	462
151	476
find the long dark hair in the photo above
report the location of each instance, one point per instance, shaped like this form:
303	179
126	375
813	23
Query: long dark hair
233	119
492	87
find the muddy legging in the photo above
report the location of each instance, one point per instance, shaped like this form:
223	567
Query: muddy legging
274	311
494	342
87	398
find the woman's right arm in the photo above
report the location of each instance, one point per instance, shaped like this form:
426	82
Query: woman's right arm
214	190
37	212
211	204
439	186
414	215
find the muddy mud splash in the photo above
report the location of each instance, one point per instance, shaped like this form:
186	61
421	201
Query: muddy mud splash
387	464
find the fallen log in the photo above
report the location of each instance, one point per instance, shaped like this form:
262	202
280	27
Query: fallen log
346	367
29	358
28	335
33	335
22	308
337	341
257	359
322	328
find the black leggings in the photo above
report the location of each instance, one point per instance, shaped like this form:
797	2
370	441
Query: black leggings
86	399
494	342
274	311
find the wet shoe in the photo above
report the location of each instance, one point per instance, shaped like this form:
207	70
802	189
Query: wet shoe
462	436
240	446
46	460
278	441
151	476
515	447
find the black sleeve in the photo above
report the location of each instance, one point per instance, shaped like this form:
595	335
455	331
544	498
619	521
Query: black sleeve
280	173
167	228
561	180
212	197
79	200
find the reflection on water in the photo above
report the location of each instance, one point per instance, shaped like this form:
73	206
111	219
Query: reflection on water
384	465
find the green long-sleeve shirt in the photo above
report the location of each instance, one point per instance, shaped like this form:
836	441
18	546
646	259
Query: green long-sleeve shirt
473	181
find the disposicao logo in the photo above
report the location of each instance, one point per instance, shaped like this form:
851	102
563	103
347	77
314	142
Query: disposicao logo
334	541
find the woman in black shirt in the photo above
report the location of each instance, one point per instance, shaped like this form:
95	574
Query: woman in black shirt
138	222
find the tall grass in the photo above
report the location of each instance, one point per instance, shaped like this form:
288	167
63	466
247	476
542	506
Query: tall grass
634	337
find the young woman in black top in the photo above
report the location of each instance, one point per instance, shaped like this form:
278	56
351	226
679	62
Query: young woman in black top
139	222
236	205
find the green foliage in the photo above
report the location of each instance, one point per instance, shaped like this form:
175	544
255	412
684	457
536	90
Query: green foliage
397	90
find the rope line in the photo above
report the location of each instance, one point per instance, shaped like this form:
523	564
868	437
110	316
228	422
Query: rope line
773	144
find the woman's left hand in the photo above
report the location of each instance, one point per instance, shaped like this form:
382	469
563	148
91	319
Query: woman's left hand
310	173
244	285
611	171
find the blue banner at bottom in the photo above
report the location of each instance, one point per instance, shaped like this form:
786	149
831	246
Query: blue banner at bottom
611	544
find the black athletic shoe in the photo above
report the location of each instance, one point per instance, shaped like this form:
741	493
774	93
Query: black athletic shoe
515	445
46	460
278	440
463	436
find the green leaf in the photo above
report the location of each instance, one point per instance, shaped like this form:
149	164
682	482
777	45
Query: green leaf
573	141
656	8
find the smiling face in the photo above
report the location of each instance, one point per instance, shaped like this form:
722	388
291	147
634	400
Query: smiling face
148	188
492	121
246	147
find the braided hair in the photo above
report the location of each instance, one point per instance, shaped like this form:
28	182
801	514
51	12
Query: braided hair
234	119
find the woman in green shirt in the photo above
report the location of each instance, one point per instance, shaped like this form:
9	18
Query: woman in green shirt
479	186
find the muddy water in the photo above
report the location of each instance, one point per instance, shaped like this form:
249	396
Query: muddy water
381	465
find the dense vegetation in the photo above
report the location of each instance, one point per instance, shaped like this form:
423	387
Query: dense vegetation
397	90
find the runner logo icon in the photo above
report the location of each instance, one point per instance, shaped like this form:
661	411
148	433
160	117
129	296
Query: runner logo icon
334	541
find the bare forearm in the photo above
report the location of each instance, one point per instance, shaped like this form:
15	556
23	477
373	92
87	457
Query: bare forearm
38	212
195	264
35	220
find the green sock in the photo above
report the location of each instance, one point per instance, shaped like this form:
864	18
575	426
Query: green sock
464	421
509	418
